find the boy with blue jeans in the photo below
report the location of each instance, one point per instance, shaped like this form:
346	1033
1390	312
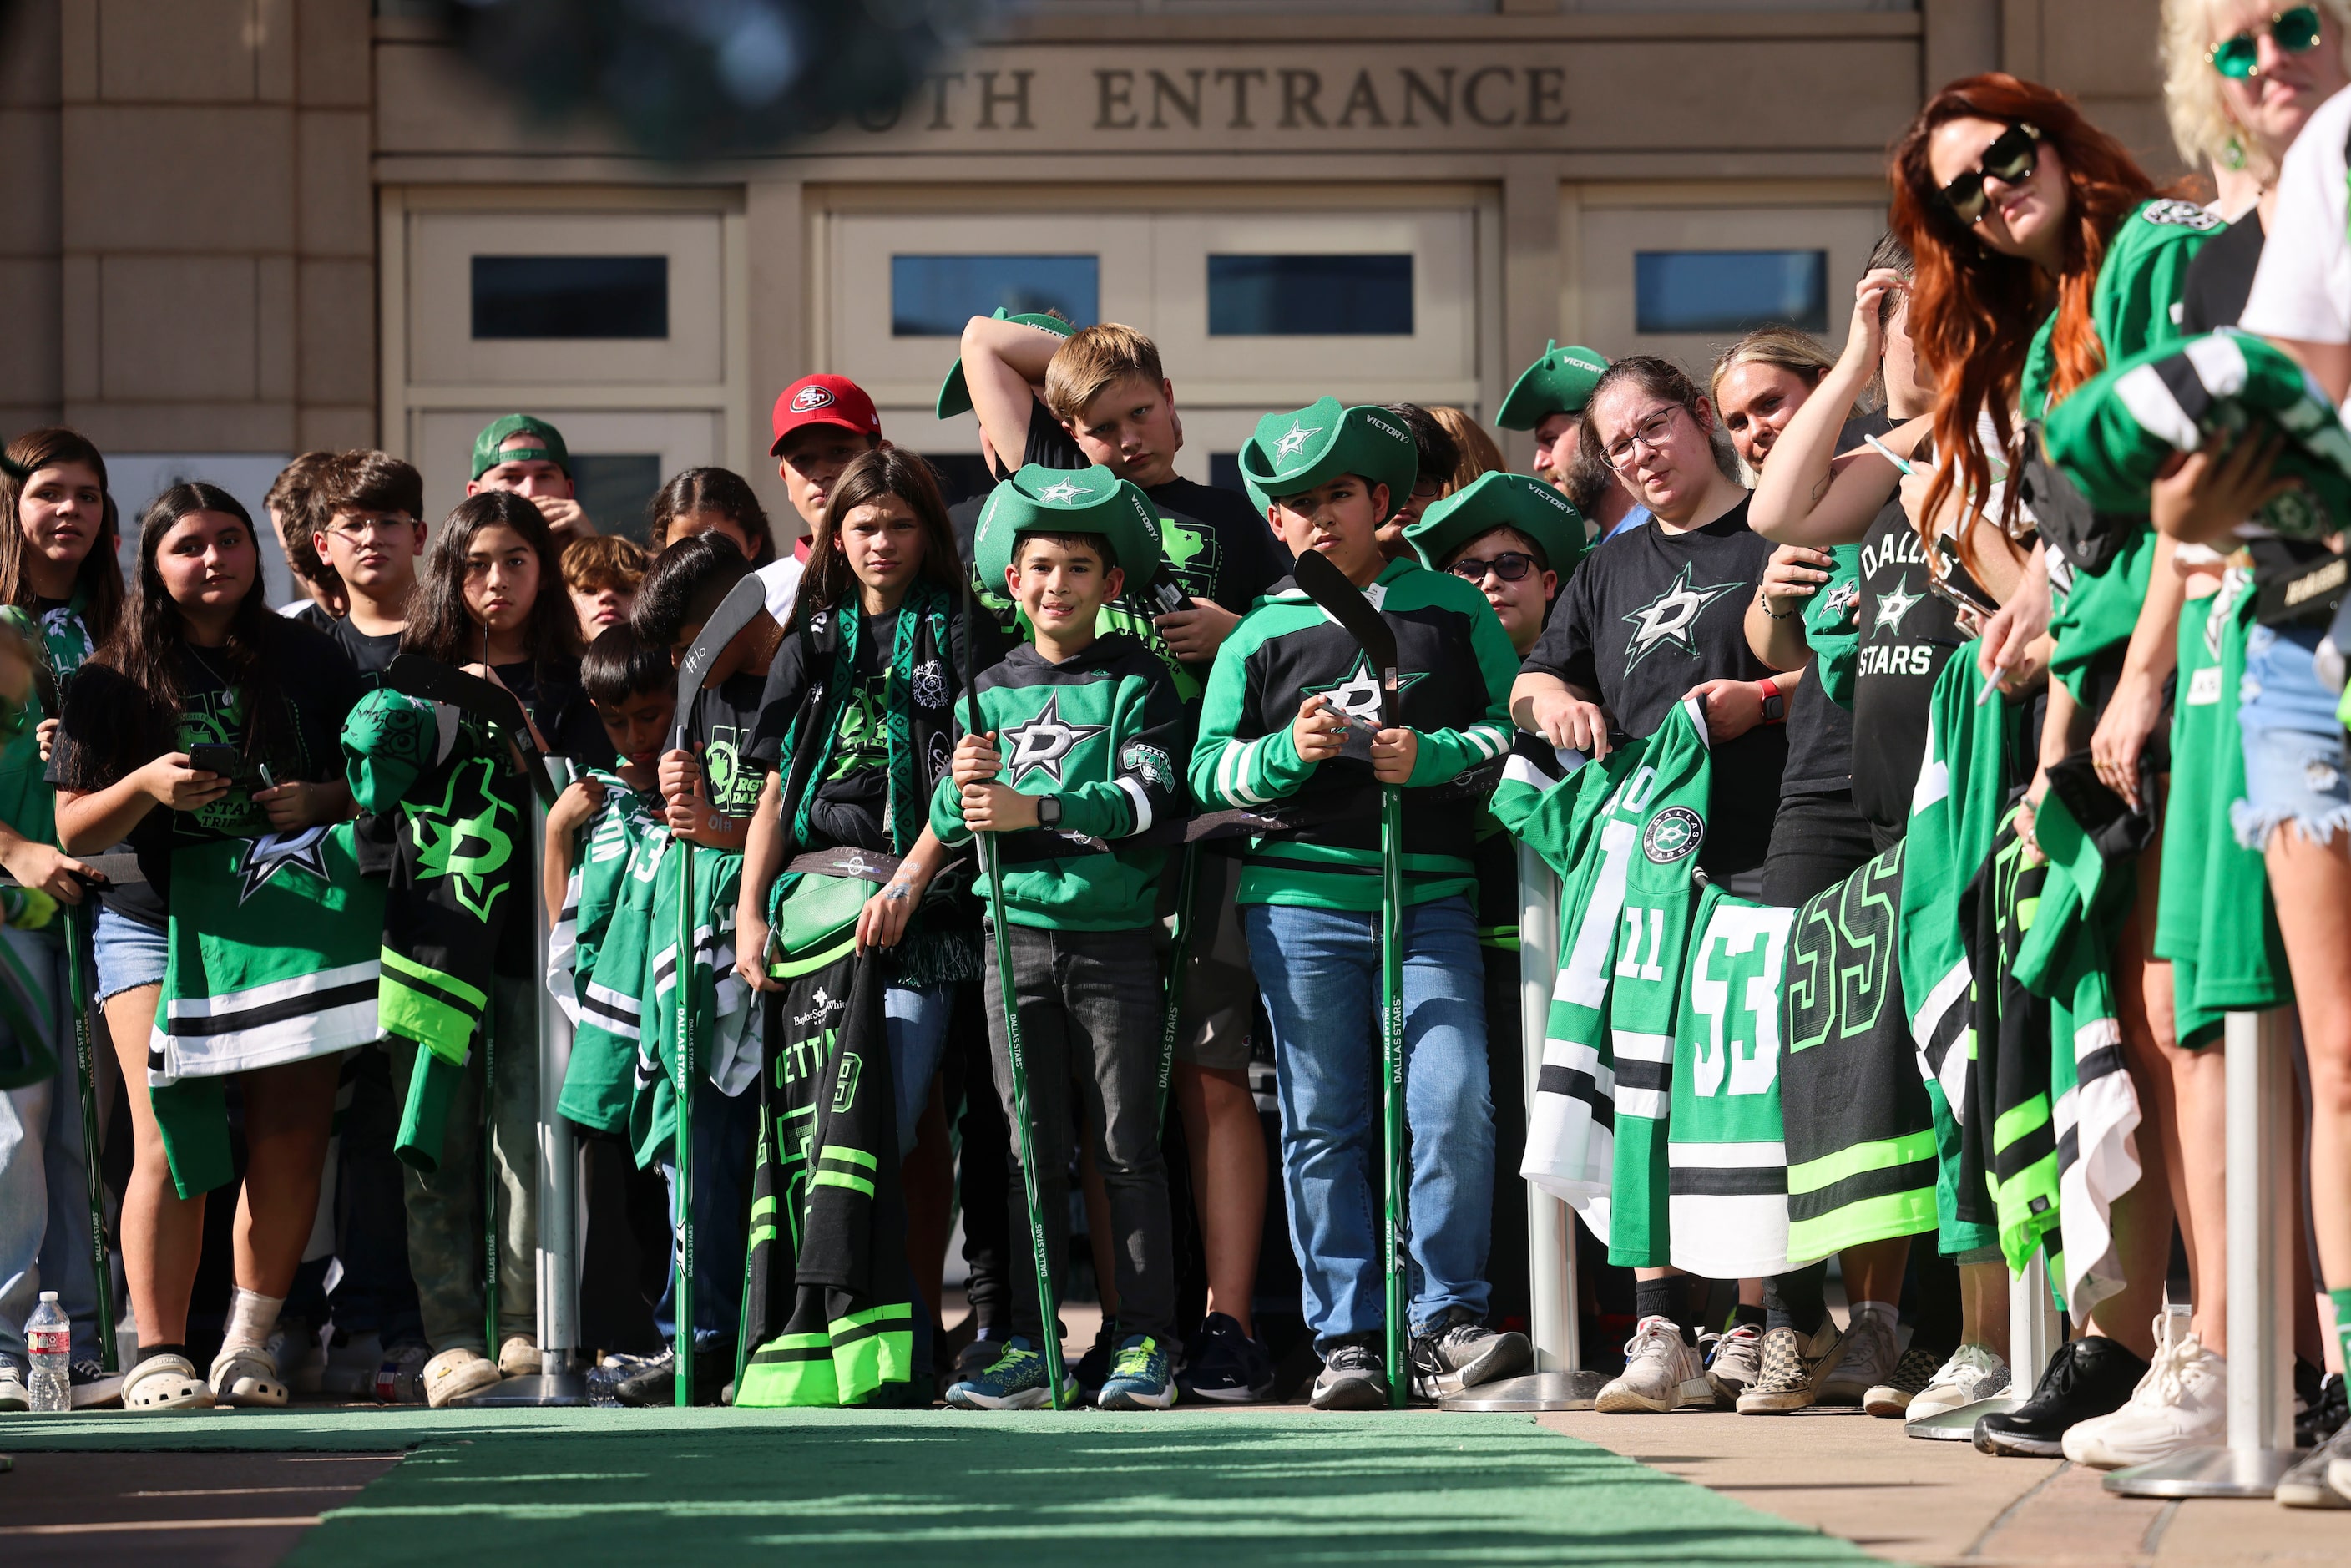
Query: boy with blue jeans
1289	730
1074	760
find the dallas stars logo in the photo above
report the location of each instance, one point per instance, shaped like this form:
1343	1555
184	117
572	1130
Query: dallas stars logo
1892	607
1045	742
1357	693
1671	617
468	850
1293	441
305	851
1062	493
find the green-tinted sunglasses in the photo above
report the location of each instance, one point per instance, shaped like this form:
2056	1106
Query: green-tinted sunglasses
2009	159
2296	32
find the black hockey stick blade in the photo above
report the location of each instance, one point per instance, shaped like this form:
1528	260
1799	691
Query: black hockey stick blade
744	601
1327	586
415	675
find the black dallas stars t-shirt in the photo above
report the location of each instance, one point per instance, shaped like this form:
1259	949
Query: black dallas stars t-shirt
725	717
1651	614
1907	634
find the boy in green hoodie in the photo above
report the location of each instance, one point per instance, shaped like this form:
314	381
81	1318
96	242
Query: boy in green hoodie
1287	729
1073	756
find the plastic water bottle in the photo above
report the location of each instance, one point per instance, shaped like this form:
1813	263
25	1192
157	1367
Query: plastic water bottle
48	1337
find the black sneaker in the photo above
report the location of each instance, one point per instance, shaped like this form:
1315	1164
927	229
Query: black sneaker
2086	1377
1458	1351
1351	1379
95	1388
1095	1366
657	1383
1225	1366
2326	1414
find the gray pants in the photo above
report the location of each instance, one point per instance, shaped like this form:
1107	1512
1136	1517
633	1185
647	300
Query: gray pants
1090	1014
444	1208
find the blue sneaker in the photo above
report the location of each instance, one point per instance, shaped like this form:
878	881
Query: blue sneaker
1225	1365
1014	1380
1141	1379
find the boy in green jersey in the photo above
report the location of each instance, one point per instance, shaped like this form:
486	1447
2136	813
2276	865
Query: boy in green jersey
1072	753
1287	729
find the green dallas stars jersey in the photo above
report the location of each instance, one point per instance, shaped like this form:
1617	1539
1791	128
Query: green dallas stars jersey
1457	669
273	947
2133	305
725	1009
1624	834
1860	1126
1102	732
2215	919
607	904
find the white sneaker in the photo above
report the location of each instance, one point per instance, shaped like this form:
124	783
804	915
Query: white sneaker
2182	1402
1661	1373
13	1395
1737	1361
351	1363
1973	1372
1872	1350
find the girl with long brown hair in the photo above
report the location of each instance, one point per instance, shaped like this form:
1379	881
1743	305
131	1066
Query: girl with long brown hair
200	665
2042	254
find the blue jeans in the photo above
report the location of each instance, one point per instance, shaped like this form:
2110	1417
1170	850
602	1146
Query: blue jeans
1320	972
726	1131
44	1185
916	1018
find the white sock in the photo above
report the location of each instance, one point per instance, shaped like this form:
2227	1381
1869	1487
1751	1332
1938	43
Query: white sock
251	1317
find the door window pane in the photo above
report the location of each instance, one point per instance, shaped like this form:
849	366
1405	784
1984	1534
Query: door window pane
1310	296
615	489
570	296
1730	290
934	296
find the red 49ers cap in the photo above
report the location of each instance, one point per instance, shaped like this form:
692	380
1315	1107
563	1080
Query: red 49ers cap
822	400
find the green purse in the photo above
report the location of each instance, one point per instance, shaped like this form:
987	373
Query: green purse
814	921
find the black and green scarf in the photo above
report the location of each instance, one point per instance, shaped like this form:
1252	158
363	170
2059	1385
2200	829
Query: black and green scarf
919	735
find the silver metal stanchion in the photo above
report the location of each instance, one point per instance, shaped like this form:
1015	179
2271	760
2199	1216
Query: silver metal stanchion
2034	1333
1558	1382
557	1381
2262	1191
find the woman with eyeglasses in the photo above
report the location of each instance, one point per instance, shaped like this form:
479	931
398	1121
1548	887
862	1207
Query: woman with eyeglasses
1653	616
2045	253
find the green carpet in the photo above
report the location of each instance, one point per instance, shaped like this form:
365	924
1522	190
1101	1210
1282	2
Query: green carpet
857	1487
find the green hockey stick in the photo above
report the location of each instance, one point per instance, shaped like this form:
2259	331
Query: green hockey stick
77	936
1328	587
744	601
992	868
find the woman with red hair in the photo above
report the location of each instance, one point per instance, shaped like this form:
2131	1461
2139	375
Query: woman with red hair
2045	253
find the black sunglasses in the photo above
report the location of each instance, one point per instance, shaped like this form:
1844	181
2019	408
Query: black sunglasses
1511	566
2009	159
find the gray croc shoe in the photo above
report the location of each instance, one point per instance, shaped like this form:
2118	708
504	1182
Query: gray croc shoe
246	1375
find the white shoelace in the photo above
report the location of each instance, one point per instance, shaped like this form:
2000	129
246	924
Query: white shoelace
2177	1360
1965	1364
1646	1337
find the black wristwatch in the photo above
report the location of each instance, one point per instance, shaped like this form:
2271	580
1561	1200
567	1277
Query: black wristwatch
1049	810
1775	706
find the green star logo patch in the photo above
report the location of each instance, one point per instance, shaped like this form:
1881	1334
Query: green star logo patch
470	850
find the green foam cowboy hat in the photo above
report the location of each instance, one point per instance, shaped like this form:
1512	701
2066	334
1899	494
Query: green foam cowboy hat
1519	501
955	393
1068	501
1313	445
1560	381
547	442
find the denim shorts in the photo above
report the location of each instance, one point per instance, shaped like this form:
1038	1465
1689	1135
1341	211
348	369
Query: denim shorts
128	953
2295	758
